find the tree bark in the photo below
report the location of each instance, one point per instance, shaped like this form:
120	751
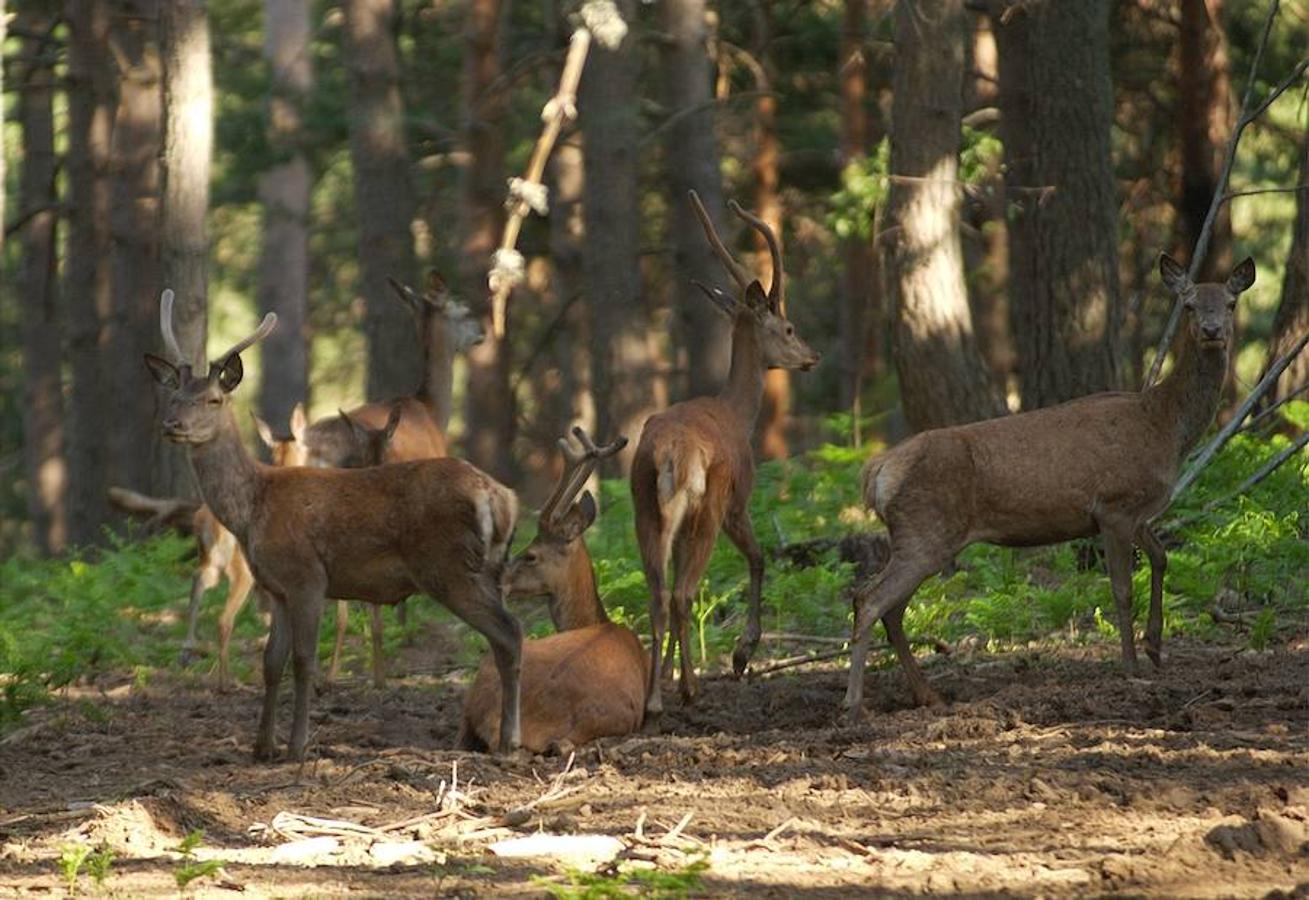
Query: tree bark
284	190
691	163
43	406
1057	103
1292	318
488	409
384	199
88	286
576	402
943	380
624	364
858	316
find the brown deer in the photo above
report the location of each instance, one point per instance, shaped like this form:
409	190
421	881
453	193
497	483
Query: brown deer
445	327
1103	464
589	680
693	469
436	526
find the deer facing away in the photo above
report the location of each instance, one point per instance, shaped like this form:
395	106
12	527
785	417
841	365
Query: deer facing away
1102	464
694	469
437	526
589	680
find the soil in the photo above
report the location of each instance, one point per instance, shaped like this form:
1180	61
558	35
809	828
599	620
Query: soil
1047	773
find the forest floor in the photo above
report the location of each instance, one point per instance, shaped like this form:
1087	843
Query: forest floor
1047	773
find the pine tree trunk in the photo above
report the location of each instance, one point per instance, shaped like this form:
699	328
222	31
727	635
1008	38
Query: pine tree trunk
1057	103
1292	318
45	469
858	316
488	409
88	286
188	146
943	380
284	190
624	365
384	200
576	403
691	163
1204	126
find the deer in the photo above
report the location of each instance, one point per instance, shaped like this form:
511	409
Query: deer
693	470
589	680
1102	464
435	526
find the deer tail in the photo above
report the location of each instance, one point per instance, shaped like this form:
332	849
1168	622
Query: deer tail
682	473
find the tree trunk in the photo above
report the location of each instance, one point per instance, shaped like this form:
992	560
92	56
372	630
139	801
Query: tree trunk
1292	318
384	199
691	163
1057	103
943	380
43	404
88	287
488	410
857	296
284	190
624	364
134	225
576	404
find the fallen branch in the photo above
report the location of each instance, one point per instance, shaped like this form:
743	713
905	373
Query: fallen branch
1291	395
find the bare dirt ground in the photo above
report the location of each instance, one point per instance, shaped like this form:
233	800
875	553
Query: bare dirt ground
1048	773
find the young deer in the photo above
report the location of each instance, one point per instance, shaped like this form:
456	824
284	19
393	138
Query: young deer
1103	464
445	327
436	526
693	469
589	680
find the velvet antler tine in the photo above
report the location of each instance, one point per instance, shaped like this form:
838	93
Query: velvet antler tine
166	327
776	291
734	268
265	328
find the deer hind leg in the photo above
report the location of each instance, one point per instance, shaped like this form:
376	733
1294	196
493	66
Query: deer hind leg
670	646
741	532
205	577
239	583
1118	558
1154	625
304	612
660	598
893	622
276	651
477	600
379	659
691	551
342	625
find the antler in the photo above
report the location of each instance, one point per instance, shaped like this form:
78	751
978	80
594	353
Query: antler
734	268
776	295
265	328
166	327
578	466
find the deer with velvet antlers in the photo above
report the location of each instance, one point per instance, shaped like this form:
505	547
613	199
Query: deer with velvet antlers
589	680
436	526
1103	464
694	469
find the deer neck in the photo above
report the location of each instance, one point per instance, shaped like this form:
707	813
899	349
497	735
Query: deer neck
744	390
1188	397
228	477
578	605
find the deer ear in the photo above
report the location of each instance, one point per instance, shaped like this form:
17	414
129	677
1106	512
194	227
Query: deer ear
356	429
436	282
579	518
264	431
1174	276
163	371
1242	276
392	422
298	423
229	372
756	298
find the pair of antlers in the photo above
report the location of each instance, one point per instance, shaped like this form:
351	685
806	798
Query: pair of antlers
776	290
174	349
578	466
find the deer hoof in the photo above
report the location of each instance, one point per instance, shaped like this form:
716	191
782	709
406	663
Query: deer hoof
189	656
651	725
741	658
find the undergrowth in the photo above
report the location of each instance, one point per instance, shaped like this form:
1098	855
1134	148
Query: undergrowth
72	621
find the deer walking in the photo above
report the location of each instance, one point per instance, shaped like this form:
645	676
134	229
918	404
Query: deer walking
436	526
694	469
589	680
1103	464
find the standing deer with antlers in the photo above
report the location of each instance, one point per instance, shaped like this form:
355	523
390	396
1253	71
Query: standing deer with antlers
693	469
436	526
589	680
1103	464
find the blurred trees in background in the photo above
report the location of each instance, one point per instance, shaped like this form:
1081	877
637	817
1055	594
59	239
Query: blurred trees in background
1041	154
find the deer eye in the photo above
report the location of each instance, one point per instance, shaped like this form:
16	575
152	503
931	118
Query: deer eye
529	559
790	330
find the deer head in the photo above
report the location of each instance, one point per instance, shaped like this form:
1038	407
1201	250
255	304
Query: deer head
286	451
1211	306
781	346
196	410
436	305
544	566
367	446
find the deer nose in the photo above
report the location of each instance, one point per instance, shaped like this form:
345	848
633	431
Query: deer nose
1211	332
172	424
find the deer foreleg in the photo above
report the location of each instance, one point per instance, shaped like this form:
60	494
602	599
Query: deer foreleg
205	577
741	532
1118	558
342	625
276	651
379	660
304	612
239	582
1154	624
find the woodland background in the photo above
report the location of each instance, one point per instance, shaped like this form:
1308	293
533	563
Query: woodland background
289	155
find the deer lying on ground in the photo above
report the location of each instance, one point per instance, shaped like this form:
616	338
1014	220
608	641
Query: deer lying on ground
589	680
693	469
1103	464
436	526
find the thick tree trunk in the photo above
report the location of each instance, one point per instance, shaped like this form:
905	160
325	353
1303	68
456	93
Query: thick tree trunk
858	316
1292	318
943	380
624	364
384	199
691	163
575	403
284	194
1057	103
88	286
135	233
43	405
488	409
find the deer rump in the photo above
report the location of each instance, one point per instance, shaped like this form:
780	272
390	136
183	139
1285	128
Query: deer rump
1071	467
577	686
